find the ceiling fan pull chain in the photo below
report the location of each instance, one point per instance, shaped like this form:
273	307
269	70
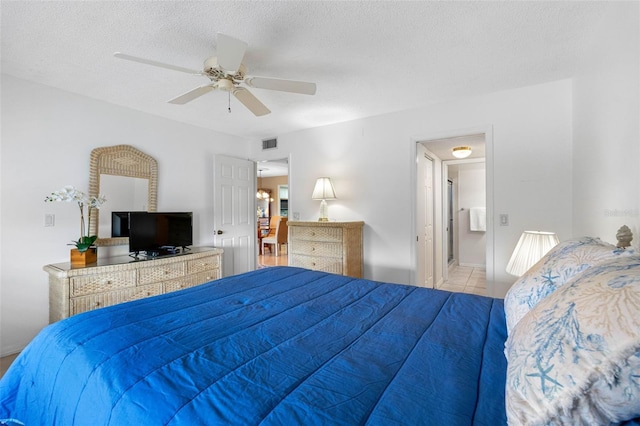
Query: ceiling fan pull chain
229	93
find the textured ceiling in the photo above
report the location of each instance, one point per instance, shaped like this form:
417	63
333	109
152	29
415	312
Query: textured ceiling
367	58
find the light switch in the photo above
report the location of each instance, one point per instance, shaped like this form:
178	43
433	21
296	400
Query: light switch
504	219
49	220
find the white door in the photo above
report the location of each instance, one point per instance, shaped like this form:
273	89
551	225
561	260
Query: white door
234	213
424	215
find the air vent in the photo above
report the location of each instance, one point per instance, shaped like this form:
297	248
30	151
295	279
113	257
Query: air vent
269	143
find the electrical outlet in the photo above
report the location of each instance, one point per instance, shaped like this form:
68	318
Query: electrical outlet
296	215
504	219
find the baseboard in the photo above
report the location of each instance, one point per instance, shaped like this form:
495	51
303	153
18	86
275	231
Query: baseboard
474	265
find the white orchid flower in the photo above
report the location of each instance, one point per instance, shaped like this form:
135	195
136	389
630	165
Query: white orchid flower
68	194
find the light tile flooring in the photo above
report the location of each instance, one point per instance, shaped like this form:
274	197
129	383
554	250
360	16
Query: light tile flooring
269	259
465	279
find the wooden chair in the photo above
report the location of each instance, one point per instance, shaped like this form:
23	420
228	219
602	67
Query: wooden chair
278	231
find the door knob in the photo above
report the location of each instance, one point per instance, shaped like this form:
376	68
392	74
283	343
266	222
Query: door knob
219	231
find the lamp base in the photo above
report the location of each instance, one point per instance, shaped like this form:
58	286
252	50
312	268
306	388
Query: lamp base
324	212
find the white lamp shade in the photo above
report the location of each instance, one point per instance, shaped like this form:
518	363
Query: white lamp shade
324	190
529	250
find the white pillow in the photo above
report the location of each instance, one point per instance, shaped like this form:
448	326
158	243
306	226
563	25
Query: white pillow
575	357
558	266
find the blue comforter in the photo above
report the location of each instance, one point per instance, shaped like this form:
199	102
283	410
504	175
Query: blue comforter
277	346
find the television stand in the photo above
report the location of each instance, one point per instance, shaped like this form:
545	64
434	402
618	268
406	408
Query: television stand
114	280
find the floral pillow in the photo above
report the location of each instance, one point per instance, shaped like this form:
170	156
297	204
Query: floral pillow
562	263
575	357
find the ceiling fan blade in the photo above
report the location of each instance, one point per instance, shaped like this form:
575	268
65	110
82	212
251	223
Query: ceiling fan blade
292	86
230	53
192	94
251	102
156	63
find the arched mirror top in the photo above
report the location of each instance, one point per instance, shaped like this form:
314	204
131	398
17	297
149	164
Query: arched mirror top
123	161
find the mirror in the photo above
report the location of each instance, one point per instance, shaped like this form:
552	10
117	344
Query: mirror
129	179
263	204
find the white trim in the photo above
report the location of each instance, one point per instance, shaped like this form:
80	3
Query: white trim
473	265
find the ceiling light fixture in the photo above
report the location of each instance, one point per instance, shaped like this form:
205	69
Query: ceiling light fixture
261	194
461	151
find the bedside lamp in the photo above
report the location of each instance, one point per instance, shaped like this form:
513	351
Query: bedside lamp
529	250
324	191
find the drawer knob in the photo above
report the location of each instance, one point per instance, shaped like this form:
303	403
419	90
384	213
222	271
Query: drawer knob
97	304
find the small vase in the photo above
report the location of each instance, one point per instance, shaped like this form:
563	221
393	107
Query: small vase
84	258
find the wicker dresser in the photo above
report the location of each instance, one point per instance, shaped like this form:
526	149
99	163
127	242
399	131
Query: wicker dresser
327	246
110	281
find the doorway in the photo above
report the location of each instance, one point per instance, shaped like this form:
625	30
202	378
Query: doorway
272	202
460	186
425	218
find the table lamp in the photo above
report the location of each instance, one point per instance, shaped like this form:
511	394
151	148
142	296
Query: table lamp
529	250
324	191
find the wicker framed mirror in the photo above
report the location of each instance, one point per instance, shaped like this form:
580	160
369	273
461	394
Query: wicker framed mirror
125	170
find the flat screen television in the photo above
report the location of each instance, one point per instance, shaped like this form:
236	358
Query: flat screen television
158	233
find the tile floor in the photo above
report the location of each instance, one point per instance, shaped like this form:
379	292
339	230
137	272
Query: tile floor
269	259
465	279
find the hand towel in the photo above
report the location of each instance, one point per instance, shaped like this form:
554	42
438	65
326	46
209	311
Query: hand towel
478	219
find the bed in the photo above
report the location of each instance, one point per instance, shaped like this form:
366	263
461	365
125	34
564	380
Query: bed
285	345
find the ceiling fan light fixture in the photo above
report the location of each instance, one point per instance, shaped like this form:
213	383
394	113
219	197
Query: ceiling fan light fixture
461	151
227	73
226	85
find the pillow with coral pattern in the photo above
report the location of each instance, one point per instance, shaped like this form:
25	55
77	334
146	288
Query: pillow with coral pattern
575	357
559	265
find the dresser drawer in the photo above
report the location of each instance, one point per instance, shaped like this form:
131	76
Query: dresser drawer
162	273
191	280
204	264
89	284
317	249
325	264
316	234
100	300
206	276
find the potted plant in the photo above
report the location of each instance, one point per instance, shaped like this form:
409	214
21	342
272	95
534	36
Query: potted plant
85	252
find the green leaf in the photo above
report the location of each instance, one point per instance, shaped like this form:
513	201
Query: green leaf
84	243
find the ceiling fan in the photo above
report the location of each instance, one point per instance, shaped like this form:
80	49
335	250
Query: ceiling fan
227	72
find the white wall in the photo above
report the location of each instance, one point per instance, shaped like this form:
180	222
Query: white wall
606	121
471	193
370	161
47	136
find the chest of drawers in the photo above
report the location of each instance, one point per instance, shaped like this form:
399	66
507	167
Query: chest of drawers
334	247
73	290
